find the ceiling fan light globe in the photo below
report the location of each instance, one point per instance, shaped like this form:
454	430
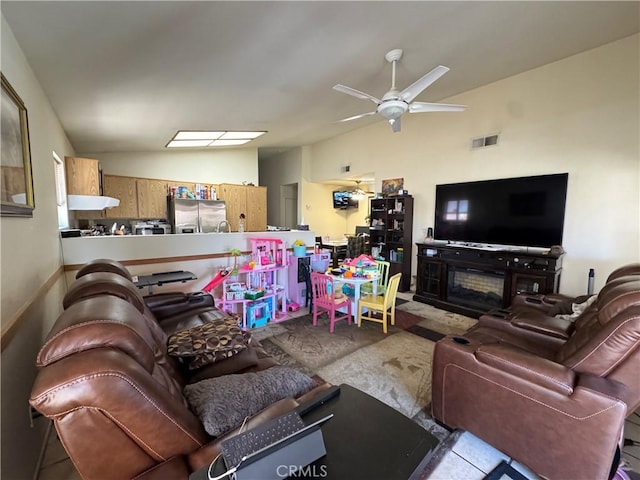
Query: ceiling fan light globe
392	109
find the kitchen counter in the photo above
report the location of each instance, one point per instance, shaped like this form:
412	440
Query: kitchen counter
173	247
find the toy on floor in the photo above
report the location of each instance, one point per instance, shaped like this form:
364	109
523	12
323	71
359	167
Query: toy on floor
292	306
258	314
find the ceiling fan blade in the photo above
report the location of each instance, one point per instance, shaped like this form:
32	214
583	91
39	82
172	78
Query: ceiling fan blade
356	93
413	90
420	107
395	125
355	117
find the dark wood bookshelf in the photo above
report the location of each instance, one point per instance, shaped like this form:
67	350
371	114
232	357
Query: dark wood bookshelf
390	229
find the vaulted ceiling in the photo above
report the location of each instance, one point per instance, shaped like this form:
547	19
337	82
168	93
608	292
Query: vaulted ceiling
125	76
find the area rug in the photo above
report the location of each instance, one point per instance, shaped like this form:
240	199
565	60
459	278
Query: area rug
314	346
395	370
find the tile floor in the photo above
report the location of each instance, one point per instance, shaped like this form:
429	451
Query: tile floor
463	456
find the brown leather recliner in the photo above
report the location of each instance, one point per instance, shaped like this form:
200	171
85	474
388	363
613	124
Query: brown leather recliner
558	406
114	393
549	320
549	303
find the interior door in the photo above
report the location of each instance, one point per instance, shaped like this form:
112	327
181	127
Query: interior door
289	203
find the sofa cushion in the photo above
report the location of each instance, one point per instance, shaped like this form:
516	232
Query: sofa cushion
208	343
222	403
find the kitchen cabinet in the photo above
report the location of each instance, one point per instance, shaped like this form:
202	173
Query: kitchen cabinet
256	213
83	176
152	198
250	200
124	189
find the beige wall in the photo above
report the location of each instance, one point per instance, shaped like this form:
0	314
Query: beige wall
315	203
579	115
232	165
30	257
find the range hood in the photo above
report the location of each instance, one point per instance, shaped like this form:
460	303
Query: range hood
91	202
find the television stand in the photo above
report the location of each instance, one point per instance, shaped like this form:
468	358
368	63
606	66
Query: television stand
474	280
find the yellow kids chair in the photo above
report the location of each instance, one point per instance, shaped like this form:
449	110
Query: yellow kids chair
384	304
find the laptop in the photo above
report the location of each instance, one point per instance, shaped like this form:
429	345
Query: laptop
280	458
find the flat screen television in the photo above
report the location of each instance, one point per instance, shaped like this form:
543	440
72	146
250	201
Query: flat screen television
524	211
343	199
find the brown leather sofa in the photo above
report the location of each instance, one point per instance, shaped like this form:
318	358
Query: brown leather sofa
116	396
554	397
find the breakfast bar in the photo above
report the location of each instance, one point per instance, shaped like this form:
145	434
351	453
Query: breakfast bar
202	254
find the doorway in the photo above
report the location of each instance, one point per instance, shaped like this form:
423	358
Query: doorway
289	205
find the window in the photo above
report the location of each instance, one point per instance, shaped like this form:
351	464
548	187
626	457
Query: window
61	191
457	210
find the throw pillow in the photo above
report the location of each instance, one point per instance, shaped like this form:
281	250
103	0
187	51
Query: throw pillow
243	360
208	343
222	403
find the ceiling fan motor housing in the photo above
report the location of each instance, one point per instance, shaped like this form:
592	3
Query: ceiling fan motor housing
392	109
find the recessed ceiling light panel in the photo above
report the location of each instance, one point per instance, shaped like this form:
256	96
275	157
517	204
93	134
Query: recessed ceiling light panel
197	135
226	143
188	143
204	138
243	135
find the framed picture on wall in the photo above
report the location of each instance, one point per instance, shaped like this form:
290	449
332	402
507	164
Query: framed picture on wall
16	192
392	186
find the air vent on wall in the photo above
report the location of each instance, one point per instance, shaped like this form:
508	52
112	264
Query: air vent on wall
345	169
480	142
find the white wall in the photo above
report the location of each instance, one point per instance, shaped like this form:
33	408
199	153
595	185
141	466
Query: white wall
231	165
278	170
29	255
579	115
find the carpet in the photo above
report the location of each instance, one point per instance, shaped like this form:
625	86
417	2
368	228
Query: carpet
395	368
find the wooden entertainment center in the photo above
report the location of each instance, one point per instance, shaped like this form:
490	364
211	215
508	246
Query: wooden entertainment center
472	280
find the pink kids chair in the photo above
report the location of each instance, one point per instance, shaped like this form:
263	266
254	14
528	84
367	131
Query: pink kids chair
327	298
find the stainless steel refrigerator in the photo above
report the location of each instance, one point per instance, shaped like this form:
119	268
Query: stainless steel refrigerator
195	216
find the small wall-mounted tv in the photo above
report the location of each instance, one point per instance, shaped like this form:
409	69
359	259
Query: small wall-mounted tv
524	211
344	200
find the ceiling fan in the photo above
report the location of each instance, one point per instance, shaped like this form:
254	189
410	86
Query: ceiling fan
359	193
395	103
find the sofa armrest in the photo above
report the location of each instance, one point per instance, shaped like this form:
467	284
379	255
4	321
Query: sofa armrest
525	365
552	326
556	435
542	302
175	468
165	305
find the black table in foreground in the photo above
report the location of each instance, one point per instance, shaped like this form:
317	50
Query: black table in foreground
161	278
367	439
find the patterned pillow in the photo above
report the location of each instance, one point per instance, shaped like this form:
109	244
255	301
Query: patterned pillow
208	343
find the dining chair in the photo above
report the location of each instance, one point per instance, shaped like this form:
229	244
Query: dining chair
355	246
383	279
386	305
327	296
